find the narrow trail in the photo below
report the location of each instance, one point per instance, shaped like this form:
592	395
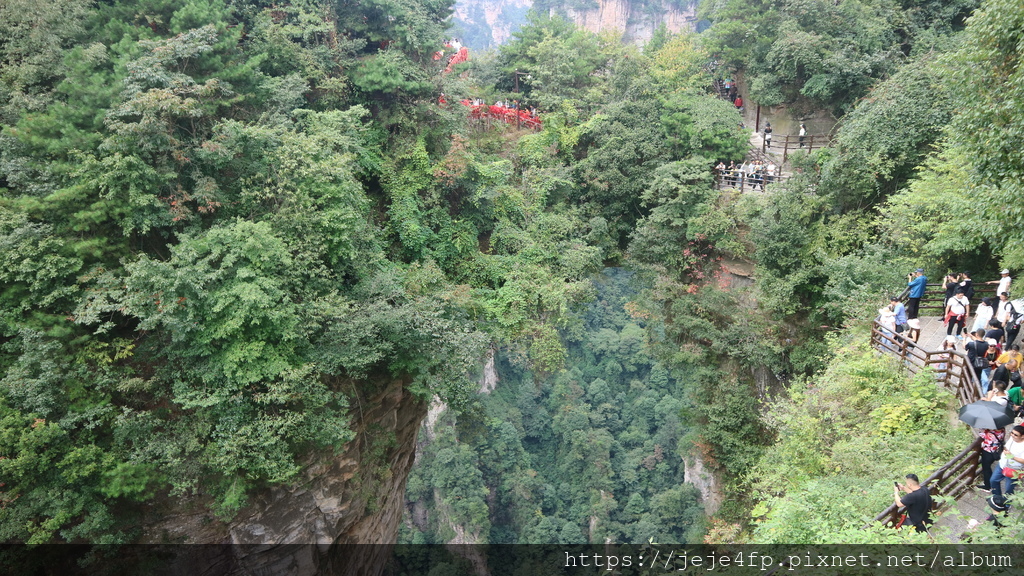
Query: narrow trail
971	505
784	147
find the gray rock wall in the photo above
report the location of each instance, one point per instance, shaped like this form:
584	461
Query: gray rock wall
353	497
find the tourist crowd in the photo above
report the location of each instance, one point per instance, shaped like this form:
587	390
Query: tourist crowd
754	174
992	353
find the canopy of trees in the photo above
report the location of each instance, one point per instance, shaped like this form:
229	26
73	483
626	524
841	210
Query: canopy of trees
221	221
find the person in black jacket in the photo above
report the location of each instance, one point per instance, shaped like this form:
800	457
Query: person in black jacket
967	284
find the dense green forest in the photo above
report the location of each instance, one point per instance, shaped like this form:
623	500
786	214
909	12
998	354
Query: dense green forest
221	221
810	459
596	447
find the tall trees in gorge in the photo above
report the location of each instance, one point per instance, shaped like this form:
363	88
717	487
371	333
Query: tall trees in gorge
191	261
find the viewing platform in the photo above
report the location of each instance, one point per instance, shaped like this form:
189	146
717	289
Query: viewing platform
957	478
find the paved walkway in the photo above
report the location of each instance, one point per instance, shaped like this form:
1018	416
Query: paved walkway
933	332
972	504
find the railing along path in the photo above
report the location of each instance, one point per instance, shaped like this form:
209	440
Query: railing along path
956	477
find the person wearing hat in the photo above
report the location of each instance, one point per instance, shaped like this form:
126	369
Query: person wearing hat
887	319
942	367
913	329
1004	282
917	282
991	353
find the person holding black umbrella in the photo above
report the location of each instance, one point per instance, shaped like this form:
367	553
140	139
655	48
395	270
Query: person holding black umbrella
990	417
987	413
998	392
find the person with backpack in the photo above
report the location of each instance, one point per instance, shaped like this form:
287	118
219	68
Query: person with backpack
976	350
1014	318
967	284
1004	308
990	356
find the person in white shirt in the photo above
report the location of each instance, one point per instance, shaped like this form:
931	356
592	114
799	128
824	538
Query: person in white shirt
982	314
887	318
1003	282
1012	461
1004	308
958	308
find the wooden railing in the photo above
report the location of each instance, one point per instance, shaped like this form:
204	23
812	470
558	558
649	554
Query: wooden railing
934	300
952	368
742	181
954	478
790	143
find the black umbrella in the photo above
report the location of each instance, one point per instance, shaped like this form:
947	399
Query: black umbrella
987	414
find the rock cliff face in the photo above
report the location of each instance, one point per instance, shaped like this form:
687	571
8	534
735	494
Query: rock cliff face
629	18
484	23
697	474
353	497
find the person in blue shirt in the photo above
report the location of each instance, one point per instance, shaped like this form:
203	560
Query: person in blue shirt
899	313
916	282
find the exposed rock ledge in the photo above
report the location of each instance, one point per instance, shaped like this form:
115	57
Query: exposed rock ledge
704	480
354	497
